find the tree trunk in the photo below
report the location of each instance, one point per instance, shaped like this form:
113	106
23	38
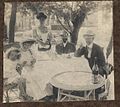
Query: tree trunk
74	34
12	22
5	32
22	24
77	23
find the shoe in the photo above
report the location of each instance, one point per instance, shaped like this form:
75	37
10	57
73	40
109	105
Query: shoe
27	98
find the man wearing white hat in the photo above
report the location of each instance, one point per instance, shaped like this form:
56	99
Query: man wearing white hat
93	53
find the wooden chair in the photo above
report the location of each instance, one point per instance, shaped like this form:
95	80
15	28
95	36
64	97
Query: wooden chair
104	95
12	87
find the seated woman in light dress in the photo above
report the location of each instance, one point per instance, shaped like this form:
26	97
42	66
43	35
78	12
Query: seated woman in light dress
12	72
27	54
29	71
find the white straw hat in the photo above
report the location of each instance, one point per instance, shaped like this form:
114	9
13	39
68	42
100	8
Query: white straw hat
89	33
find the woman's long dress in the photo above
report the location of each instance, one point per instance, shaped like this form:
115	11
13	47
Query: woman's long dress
30	72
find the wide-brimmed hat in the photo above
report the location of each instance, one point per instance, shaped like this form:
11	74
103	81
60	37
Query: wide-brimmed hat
89	33
41	15
31	41
10	45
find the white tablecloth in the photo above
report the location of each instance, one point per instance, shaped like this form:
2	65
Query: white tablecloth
39	77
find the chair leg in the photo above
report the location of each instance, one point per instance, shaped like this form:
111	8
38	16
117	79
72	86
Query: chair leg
7	96
59	95
108	85
104	95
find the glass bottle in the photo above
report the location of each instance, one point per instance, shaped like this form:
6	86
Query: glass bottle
95	71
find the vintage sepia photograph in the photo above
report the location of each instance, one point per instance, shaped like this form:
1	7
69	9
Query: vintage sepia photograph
58	51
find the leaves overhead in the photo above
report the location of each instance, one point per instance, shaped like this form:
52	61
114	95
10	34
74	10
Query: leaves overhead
73	13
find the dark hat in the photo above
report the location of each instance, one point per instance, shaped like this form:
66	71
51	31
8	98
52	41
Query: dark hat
41	15
31	41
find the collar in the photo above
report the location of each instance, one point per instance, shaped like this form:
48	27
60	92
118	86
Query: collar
64	44
90	46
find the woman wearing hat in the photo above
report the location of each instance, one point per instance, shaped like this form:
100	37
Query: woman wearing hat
28	57
29	71
42	34
27	53
13	73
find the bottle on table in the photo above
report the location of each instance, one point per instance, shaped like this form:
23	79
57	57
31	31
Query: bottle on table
95	71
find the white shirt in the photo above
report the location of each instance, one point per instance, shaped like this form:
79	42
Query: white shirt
89	47
64	44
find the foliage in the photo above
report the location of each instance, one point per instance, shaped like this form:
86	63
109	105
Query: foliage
73	13
66	10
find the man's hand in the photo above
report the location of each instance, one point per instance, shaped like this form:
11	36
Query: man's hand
81	45
76	53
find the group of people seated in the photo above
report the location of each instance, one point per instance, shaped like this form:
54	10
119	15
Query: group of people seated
24	58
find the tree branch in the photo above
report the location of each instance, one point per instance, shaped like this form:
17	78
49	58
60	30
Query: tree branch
62	24
69	26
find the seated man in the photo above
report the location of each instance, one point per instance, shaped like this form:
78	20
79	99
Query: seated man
93	53
65	47
13	73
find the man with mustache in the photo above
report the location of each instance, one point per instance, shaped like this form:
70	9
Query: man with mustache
94	54
65	47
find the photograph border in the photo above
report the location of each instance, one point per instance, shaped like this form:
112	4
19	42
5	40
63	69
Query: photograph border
116	43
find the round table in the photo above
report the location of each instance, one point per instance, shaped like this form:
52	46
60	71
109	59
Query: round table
70	81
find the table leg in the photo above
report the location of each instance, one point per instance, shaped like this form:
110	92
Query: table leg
94	94
88	94
85	93
7	97
59	95
69	94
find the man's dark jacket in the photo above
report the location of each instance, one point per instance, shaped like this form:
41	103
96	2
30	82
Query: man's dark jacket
97	52
70	47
